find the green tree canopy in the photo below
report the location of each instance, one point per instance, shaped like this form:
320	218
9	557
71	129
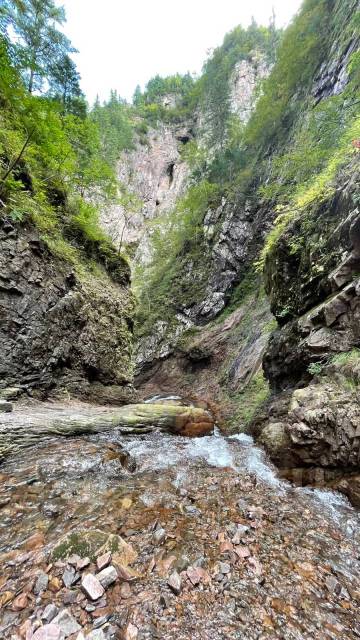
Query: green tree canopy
38	42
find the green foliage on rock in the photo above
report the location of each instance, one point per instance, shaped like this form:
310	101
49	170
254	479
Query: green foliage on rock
164	286
249	401
254	43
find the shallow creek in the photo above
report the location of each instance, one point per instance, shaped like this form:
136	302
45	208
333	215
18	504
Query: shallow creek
278	561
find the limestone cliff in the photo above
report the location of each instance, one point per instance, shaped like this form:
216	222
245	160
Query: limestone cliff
155	173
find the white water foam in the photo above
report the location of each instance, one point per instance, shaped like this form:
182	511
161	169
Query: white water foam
253	460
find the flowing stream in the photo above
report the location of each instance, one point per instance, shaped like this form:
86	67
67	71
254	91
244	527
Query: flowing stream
280	561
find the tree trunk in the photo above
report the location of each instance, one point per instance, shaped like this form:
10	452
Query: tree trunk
21	430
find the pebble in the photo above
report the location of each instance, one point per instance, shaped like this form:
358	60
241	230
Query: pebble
103	561
224	567
131	632
164	601
69	577
51	510
41	583
174	582
49	613
192	511
67	623
107	576
97	634
101	621
70	597
91	586
20	602
125	590
82	563
48	632
159	536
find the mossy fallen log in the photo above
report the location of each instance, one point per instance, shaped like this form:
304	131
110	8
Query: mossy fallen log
25	430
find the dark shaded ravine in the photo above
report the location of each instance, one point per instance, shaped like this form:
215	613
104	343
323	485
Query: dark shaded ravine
277	561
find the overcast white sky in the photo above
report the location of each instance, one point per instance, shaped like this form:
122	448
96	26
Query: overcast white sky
123	43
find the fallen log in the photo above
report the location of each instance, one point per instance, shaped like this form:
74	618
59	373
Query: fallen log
21	430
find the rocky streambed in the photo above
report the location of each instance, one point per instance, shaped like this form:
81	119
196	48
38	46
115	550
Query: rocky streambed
149	535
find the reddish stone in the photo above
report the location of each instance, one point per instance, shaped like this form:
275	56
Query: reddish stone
20	602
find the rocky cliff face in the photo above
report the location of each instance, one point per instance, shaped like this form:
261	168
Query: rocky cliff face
234	232
244	82
311	420
155	173
62	327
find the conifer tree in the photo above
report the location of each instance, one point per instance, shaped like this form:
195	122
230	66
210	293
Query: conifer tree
39	43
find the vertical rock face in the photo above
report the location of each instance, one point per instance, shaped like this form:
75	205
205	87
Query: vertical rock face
155	173
245	78
59	329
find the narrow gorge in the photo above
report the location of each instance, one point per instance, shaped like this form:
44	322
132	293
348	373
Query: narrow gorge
180	338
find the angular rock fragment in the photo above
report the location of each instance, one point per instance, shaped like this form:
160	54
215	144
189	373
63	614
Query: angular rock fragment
103	560
69	577
41	583
96	634
159	536
107	576
49	613
92	587
20	602
131	632
174	583
82	563
48	632
67	623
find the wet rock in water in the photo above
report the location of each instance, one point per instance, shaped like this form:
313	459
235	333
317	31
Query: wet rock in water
48	632
92	587
94	543
41	583
49	613
174	583
67	623
107	576
159	536
5	407
103	560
